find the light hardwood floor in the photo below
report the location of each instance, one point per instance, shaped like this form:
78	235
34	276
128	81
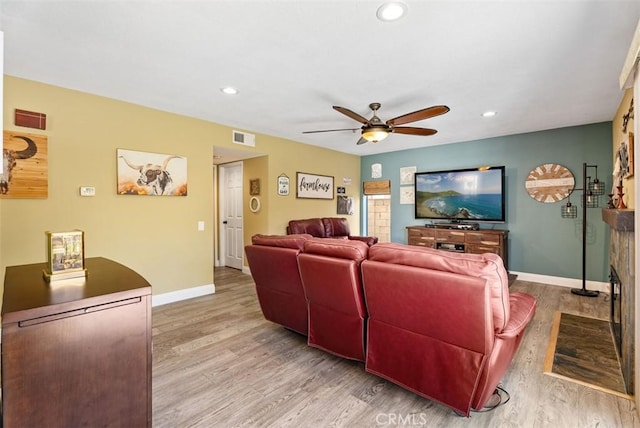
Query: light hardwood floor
218	363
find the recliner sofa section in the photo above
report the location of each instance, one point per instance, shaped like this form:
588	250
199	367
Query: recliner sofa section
330	272
327	227
273	260
442	324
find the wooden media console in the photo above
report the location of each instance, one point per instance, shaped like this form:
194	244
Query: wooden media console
476	241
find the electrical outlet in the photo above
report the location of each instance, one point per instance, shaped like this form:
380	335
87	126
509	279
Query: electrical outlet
87	191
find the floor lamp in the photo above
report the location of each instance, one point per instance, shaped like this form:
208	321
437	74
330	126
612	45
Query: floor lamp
591	190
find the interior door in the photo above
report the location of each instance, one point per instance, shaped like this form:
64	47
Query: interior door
231	179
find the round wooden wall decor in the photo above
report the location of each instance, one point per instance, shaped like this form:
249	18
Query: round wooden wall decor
549	183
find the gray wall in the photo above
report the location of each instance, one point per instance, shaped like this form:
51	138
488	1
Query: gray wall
540	240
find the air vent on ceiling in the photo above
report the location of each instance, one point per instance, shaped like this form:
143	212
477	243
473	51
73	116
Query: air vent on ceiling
244	138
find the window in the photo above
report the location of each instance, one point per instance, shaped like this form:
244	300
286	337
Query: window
379	217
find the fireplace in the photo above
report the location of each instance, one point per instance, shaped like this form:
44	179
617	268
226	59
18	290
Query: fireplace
622	278
616	309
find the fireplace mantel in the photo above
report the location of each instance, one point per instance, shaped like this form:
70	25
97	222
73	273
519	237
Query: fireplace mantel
621	220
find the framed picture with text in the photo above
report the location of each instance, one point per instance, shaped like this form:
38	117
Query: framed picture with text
283	185
314	186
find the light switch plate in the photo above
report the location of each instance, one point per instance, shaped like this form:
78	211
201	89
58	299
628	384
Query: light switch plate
87	191
201	225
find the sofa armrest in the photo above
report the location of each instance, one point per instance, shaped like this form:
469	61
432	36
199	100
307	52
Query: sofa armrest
369	240
523	307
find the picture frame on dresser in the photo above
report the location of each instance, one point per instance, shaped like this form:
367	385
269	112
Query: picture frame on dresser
65	255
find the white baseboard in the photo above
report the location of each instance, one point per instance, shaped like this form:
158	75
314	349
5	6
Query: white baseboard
187	293
246	269
562	282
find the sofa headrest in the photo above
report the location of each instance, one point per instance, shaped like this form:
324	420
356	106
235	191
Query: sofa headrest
336	226
338	248
486	266
311	226
285	241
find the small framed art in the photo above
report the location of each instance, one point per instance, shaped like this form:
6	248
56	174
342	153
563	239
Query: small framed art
65	255
283	184
254	186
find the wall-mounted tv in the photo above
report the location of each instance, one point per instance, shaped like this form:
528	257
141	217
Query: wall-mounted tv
474	195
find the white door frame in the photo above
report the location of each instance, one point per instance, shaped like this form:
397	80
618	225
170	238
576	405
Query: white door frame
222	191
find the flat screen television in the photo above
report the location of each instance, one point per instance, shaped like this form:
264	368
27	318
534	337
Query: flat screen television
471	195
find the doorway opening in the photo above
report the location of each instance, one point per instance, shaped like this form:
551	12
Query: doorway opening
231	215
379	217
228	242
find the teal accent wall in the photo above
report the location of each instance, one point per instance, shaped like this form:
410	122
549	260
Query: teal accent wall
540	240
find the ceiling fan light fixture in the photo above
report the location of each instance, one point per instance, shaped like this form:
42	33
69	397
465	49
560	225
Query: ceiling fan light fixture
375	134
374	129
489	113
391	11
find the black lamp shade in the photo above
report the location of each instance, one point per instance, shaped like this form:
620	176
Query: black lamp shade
596	187
569	211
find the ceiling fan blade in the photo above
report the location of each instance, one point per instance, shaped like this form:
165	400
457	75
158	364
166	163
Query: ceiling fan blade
410	130
353	115
418	115
331	130
361	141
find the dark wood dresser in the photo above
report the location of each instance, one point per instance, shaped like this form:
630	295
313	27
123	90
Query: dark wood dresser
76	352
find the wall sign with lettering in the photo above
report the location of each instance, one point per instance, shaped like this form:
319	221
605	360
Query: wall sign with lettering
283	184
314	186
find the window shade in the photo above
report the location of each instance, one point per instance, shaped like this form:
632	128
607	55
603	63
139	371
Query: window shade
380	187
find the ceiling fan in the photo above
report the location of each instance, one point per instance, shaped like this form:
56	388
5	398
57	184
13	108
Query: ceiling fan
374	129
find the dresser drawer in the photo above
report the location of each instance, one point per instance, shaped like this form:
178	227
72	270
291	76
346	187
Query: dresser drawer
483	238
421	232
481	249
423	237
449	235
424	241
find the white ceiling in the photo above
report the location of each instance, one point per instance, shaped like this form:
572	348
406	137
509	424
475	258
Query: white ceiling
539	64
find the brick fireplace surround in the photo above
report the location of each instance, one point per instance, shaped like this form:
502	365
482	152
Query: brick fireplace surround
622	257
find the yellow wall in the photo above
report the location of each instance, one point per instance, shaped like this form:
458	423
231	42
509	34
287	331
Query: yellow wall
156	236
288	157
257	222
618	136
315	160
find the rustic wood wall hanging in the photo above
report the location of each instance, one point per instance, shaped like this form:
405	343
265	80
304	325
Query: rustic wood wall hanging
549	183
25	172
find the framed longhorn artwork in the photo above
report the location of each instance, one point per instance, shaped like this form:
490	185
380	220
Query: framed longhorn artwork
151	174
25	170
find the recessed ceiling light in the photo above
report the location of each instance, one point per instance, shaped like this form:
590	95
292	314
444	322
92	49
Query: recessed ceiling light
391	11
229	90
489	113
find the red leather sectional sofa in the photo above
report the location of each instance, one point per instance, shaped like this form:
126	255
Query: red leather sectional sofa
443	325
